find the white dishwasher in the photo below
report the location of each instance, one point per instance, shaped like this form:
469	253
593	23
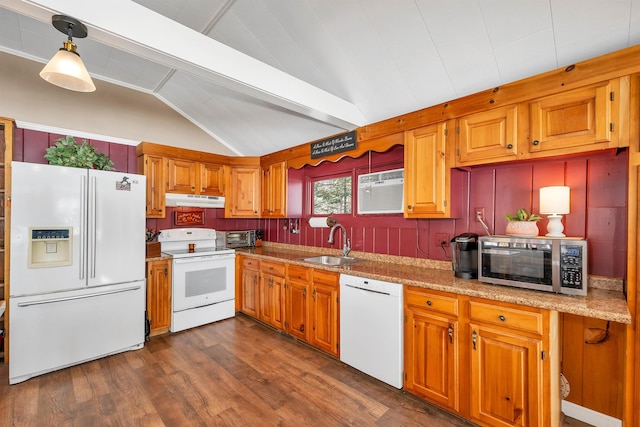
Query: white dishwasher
371	328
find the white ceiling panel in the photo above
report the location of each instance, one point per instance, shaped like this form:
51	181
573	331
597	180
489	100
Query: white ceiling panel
261	75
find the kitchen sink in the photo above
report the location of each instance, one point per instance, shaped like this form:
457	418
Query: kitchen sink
332	260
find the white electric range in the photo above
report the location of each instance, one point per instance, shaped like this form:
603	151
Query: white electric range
203	277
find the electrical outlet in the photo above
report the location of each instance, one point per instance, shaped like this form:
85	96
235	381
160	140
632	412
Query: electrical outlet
441	237
478	212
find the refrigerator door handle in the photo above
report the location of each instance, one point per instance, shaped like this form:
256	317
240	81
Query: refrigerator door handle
92	226
75	297
83	228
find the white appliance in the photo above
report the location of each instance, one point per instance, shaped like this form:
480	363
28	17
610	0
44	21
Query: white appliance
194	200
381	192
371	328
203	277
77	269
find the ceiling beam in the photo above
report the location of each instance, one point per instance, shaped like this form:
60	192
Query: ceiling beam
130	27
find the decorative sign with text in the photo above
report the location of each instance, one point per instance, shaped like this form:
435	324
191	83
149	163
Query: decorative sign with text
337	144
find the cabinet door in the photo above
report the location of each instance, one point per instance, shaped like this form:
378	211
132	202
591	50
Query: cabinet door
431	357
272	300
250	292
244	194
490	136
274	201
506	378
427	183
159	296
297	305
575	121
182	176
325	311
211	179
154	168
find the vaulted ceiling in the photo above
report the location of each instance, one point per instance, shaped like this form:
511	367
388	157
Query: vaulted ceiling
263	75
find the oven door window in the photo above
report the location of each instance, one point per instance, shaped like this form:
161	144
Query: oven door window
518	265
201	281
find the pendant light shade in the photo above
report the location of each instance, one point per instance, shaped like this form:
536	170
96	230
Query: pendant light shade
66	69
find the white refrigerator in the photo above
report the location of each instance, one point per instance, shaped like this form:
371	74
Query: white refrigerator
77	270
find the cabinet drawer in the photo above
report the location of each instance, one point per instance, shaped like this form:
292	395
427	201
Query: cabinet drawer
514	318
326	278
275	268
430	301
252	263
297	272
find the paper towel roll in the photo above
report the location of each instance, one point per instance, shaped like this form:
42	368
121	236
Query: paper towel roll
319	222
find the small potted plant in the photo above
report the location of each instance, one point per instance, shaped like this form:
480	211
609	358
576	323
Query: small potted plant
523	223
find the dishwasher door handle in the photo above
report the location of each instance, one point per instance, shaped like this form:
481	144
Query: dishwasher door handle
368	290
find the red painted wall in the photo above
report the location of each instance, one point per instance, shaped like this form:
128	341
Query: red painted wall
598	203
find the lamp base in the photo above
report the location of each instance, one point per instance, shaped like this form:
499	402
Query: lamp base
555	227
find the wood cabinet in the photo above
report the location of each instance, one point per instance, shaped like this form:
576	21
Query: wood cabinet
154	168
211	179
325	311
575	121
427	183
6	146
159	296
489	136
249	285
274	190
432	336
513	379
243	197
298	296
181	176
272	293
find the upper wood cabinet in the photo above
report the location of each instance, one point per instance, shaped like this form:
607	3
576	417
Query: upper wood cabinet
490	136
274	190
181	176
154	168
243	197
427	183
211	181
578	120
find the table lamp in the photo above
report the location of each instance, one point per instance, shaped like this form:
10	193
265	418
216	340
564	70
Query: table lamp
554	201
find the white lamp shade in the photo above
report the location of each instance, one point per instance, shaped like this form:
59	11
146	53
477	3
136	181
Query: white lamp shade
67	70
555	200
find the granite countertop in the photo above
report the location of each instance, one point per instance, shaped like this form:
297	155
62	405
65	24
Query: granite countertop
157	258
600	303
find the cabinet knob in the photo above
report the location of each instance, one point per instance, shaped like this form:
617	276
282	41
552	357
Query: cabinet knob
502	318
429	303
535	142
509	146
474	338
409	207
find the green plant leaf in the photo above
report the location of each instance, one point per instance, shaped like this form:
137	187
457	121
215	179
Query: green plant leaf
67	152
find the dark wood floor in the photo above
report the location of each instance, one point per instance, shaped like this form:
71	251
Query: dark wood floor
236	372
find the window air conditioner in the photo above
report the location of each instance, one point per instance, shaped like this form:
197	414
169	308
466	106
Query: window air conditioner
381	192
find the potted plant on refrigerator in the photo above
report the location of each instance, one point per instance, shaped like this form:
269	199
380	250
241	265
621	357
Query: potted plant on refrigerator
67	152
523	223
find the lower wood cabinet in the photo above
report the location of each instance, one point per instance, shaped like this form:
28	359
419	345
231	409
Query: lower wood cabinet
249	289
298	309
325	309
272	293
494	363
432	336
159	296
301	301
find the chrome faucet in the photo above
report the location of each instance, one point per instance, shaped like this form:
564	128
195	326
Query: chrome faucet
346	248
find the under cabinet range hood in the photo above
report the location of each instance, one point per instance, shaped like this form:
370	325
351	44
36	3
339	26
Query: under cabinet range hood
194	201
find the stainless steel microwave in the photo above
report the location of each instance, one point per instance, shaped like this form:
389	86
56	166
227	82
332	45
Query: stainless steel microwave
540	263
236	239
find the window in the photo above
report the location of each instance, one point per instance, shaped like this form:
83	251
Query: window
332	196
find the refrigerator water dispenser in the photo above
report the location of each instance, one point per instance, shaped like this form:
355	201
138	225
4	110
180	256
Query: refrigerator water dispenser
50	247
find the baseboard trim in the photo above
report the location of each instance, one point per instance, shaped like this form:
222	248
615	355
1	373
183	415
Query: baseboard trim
589	415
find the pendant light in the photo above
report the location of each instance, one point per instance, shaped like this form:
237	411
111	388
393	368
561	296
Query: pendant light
66	69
